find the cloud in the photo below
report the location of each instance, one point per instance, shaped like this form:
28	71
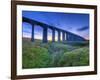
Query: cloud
83	28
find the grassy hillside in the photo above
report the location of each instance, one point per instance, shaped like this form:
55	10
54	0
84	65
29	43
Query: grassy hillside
42	55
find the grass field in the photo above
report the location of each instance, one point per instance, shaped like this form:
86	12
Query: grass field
43	55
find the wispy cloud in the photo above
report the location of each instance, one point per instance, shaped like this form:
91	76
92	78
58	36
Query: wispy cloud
83	28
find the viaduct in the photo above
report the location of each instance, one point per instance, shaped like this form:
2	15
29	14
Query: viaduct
66	36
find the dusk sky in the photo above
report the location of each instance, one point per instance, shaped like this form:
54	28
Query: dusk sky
72	22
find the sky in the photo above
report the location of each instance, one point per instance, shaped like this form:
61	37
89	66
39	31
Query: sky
77	23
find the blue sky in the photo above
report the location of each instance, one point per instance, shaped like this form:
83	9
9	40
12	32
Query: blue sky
72	22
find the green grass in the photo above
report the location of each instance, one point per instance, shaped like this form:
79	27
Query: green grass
42	55
77	57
